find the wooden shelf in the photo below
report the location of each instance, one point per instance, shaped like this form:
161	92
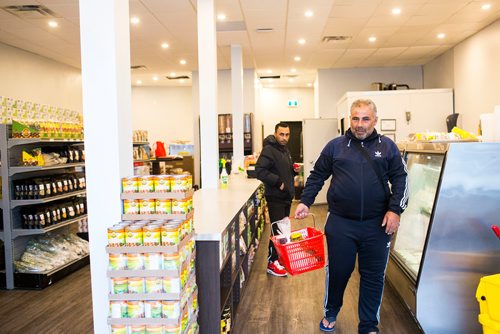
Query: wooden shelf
167	195
22	202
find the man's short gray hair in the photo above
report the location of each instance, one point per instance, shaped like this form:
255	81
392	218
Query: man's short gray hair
364	102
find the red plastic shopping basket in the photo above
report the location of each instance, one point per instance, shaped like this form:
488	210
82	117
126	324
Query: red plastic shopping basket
302	256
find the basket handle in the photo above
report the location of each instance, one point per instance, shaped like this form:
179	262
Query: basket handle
308	215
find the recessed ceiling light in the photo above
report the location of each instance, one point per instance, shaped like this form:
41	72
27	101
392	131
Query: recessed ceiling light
139	82
173	74
309	84
396	11
221	17
53	24
486	6
441	35
297	58
183	62
291	80
164	45
135	20
293	70
155	78
372	39
269	71
309	13
302	41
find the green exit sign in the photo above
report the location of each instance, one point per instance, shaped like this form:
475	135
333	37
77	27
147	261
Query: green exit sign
293	103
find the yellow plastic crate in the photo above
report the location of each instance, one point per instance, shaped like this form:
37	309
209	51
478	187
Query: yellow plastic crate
488	297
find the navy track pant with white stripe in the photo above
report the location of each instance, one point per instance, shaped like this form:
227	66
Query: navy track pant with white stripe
367	239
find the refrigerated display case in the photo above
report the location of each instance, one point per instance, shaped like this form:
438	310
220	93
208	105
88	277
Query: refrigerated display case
444	244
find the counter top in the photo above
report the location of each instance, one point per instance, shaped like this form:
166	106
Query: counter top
215	208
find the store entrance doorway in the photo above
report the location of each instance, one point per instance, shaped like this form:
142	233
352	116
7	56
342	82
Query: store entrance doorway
295	142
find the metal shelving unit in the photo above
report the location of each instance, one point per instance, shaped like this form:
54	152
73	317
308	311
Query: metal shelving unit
22	202
15	237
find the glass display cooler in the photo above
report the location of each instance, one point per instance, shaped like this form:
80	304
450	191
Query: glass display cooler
445	244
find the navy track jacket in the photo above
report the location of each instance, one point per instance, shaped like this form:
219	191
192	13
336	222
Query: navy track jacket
355	191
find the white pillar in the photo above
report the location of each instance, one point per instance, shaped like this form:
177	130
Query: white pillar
237	106
207	66
105	54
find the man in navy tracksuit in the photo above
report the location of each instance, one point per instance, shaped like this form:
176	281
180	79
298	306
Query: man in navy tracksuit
363	212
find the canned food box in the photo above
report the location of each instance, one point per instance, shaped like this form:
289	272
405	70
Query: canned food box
162	183
146	206
163	206
130	184
130	206
116	236
133	235
146	184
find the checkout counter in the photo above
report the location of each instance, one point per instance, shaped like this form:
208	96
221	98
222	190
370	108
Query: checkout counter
445	244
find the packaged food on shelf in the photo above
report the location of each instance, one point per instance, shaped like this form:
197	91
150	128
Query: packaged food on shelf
116	236
152	261
133	235
130	185
146	183
131	206
119	285
119	329
153	309
170	309
163	206
162	183
118	309
47	252
135	309
117	261
153	284
136	285
135	261
147	206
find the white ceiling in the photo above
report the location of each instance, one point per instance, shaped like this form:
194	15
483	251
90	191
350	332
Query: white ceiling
407	39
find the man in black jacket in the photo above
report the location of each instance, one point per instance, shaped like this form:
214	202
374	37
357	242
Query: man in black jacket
363	212
275	168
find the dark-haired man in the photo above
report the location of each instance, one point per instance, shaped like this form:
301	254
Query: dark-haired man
275	169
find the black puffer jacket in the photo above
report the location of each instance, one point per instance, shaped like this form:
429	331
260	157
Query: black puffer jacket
275	167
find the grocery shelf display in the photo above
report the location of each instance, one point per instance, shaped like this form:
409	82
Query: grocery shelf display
151	272
43	199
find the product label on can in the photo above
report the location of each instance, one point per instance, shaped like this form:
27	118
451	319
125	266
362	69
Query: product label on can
152	309
163	206
130	206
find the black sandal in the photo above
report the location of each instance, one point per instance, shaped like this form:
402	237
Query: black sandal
327	328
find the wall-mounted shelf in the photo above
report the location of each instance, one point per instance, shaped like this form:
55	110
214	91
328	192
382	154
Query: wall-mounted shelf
23	202
26	169
23	232
27	141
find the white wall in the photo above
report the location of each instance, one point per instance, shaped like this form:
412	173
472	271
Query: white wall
440	72
475	75
334	83
29	77
477	79
166	112
273	108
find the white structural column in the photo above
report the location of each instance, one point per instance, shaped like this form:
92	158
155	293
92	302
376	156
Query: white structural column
105	51
237	105
207	83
